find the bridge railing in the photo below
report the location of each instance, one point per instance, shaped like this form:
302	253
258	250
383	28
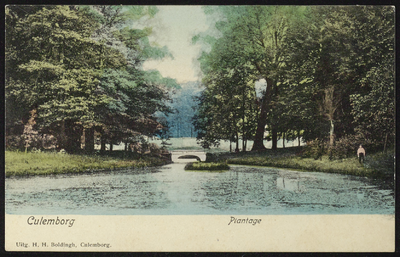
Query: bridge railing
179	153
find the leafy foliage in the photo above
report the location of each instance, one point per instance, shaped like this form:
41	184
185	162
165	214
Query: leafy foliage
329	73
79	69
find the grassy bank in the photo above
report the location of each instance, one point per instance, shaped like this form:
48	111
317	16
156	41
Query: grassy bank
20	163
207	166
376	165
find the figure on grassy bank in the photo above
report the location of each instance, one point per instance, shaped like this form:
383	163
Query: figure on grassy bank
361	154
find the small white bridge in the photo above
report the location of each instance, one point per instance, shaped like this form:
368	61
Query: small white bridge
187	154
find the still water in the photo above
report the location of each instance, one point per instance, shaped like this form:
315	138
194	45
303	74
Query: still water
172	190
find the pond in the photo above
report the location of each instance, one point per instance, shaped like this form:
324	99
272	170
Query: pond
170	190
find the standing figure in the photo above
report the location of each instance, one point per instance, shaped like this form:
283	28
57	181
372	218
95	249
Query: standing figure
361	153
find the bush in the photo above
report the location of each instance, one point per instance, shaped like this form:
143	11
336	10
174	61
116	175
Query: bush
382	163
347	146
214	166
315	149
36	141
154	149
15	142
344	147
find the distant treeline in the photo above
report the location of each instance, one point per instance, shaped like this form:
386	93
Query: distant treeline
184	108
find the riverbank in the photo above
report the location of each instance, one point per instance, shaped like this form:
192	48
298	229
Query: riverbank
379	165
41	163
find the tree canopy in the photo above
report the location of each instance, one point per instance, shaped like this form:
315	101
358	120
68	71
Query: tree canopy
75	74
80	69
328	72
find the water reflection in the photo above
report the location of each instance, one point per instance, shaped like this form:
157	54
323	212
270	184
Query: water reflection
289	184
171	190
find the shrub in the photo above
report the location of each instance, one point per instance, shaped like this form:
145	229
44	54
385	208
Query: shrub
214	166
382	163
37	141
154	149
15	142
344	147
31	138
347	146
315	149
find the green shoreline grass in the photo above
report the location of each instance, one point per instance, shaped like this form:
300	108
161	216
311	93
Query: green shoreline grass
22	164
349	166
207	166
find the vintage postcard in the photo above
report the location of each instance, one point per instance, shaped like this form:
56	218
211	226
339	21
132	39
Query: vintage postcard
199	128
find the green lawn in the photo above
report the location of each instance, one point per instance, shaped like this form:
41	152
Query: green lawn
375	166
20	163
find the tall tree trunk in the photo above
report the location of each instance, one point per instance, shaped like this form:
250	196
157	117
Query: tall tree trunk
330	104
298	136
103	144
331	139
73	134
102	140
237	142
274	138
283	139
63	137
384	146
331	134
262	119
89	140
259	137
111	146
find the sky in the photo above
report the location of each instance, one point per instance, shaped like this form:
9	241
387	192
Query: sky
174	27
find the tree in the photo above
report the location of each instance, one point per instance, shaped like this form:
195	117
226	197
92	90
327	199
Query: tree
126	89
56	70
183	109
373	104
228	103
77	67
255	35
333	56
